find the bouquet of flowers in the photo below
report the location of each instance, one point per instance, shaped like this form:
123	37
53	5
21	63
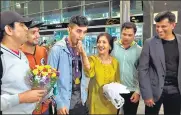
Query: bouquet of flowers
42	77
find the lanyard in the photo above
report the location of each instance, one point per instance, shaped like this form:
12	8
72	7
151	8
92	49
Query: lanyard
75	58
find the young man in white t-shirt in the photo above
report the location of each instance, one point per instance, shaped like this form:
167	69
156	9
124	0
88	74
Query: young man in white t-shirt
16	96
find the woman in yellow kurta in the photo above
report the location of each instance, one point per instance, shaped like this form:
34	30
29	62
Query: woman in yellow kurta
100	75
102	69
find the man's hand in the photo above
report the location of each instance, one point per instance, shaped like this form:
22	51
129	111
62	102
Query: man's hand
63	111
31	96
80	48
149	102
135	97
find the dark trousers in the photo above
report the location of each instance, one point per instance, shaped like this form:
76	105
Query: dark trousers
129	107
79	110
171	104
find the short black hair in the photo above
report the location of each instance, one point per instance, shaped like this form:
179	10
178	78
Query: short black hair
109	38
165	15
129	25
114	38
79	20
2	32
1	35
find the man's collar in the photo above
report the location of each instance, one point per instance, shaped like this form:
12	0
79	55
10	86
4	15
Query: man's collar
133	43
23	49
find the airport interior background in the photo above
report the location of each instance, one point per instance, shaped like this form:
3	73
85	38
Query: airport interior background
103	15
58	12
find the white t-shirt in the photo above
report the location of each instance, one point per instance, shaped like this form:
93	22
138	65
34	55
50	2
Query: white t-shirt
15	68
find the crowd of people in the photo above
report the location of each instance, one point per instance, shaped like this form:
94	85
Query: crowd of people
152	72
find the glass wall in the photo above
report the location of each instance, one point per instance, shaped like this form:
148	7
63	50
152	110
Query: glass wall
51	39
90	43
114	31
59	11
139	34
7	9
34	7
21	8
50	5
97	10
51	11
70	3
5	4
68	12
51	17
115	8
136	7
36	17
58	35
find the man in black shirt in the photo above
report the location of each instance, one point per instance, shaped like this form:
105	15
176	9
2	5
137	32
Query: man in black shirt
160	68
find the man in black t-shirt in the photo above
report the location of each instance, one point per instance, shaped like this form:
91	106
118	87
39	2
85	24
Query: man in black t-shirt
160	68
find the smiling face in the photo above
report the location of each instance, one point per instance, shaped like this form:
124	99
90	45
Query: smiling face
76	33
33	36
164	28
103	45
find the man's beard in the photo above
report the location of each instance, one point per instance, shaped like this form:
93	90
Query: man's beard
33	43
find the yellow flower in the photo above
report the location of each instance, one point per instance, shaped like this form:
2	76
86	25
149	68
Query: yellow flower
49	71
54	75
44	73
47	66
40	68
35	71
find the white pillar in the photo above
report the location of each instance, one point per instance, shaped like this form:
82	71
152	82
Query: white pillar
124	11
151	3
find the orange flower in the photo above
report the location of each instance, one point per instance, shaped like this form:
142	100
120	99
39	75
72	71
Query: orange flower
44	70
